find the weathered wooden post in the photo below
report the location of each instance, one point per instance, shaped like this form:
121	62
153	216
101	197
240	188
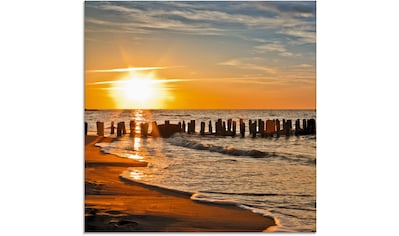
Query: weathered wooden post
146	125
210	127
119	129
123	128
229	122
242	128
179	124
154	129
305	127
192	126
270	128
184	126
312	126
202	131
297	127
278	127
86	126
234	128
100	128
189	127
144	129
261	128
288	127
253	129
224	128
112	127
250	126
219	127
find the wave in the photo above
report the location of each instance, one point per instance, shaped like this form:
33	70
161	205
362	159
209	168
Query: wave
181	141
201	197
197	196
258	194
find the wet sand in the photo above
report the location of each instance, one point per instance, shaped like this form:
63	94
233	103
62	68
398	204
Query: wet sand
112	204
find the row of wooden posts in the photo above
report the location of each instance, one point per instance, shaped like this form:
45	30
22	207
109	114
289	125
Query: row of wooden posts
268	128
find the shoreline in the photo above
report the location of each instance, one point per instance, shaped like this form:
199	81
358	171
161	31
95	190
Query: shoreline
112	204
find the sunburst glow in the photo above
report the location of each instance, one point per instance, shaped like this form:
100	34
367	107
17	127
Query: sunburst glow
139	90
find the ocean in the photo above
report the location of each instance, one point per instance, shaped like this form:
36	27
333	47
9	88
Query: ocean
270	176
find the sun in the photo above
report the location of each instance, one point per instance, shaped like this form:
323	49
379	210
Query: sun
138	90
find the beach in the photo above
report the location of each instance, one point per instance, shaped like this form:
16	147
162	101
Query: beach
113	204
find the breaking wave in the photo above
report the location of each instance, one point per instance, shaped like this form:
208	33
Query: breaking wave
180	140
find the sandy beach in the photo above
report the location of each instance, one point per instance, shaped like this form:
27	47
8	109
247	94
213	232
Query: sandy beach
111	204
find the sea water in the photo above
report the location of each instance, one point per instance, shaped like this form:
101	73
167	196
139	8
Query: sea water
270	176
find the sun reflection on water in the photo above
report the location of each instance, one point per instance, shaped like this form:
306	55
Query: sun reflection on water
136	174
136	143
135	157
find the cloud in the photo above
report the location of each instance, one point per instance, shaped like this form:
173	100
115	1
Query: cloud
127	69
254	64
275	47
304	66
230	18
155	81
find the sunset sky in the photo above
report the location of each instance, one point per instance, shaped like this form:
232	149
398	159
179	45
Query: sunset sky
200	55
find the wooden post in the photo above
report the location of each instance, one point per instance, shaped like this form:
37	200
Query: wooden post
224	128
123	128
86	127
189	127
144	129
100	128
270	128
192	125
154	129
210	127
261	128
179	124
312	126
284	125
242	128
278	127
119	129
288	127
253	129
202	132
184	127
305	127
250	126
229	121
112	127
219	127
297	127
234	128
146	125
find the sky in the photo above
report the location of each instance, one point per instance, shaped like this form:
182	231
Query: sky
200	55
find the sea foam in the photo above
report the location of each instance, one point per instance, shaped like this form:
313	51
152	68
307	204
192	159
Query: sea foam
182	141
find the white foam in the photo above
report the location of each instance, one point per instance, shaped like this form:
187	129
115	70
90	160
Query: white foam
201	197
182	141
